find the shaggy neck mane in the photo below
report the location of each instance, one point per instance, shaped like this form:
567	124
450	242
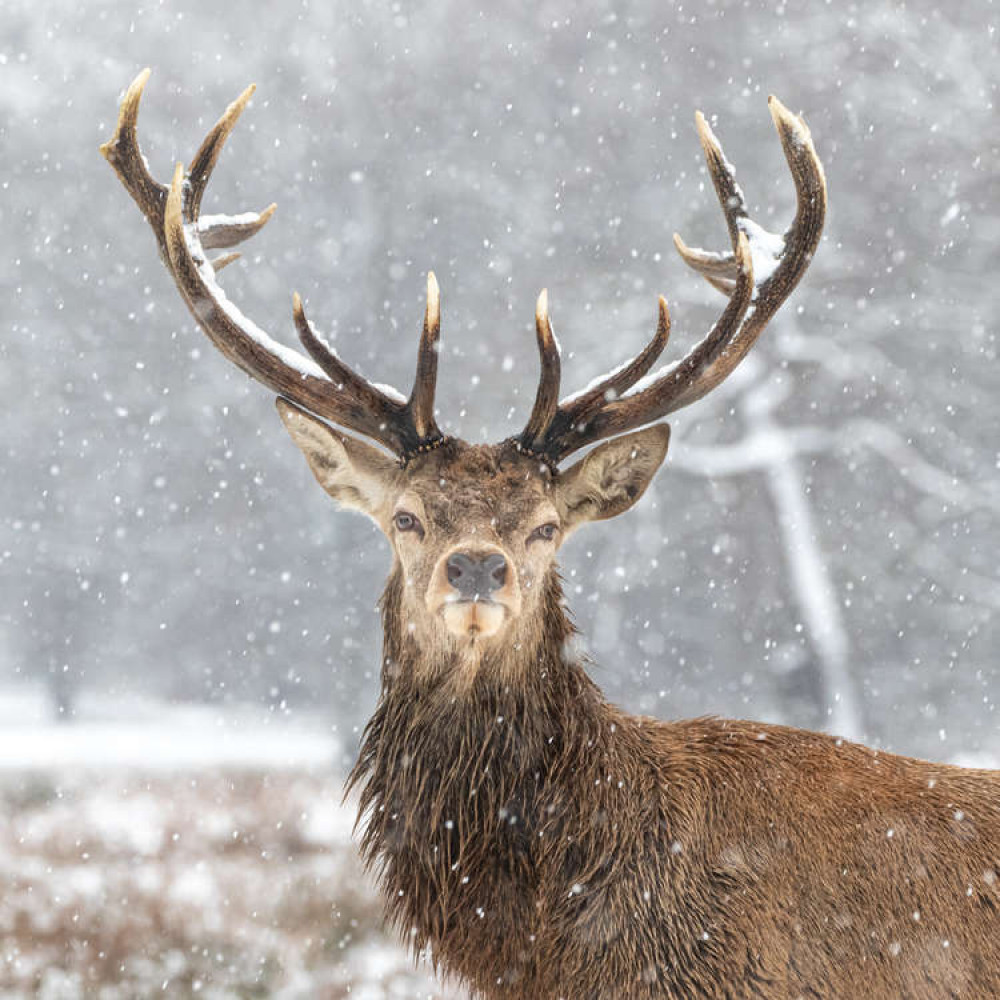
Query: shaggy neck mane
452	780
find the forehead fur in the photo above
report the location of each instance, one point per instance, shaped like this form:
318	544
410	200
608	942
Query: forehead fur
492	480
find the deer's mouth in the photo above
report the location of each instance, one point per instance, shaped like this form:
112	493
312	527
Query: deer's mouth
473	619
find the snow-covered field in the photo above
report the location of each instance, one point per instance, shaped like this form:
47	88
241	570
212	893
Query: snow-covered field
187	854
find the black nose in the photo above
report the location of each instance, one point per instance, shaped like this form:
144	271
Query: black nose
476	577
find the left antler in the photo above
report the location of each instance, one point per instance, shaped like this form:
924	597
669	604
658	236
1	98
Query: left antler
324	384
758	275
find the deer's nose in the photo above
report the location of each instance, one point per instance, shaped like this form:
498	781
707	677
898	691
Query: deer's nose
475	577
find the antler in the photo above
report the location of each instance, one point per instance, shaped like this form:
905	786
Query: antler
323	384
758	275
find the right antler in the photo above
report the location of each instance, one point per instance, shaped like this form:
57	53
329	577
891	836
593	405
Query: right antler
325	384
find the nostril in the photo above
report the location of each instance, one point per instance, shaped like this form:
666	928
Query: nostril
496	570
457	568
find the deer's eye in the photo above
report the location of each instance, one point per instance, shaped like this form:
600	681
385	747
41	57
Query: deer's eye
405	521
544	533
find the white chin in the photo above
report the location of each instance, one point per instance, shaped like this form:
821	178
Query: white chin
473	619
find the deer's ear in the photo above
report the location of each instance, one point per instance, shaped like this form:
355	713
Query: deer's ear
355	474
612	477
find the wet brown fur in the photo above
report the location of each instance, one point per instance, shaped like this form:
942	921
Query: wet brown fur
542	843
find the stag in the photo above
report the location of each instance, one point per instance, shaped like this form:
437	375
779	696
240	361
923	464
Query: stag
539	841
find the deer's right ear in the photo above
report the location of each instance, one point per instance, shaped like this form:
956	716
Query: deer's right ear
355	474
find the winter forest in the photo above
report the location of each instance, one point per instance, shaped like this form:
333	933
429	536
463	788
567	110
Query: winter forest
189	631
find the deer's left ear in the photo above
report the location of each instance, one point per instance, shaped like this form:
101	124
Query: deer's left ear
612	477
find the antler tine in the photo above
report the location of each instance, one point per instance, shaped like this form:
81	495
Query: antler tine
375	411
802	236
221	231
547	395
173	213
718	269
419	408
723	176
575	411
750	304
204	161
123	153
425	381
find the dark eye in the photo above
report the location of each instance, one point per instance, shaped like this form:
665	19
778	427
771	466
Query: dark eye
405	521
544	532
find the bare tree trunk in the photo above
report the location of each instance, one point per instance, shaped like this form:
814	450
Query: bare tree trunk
774	450
815	595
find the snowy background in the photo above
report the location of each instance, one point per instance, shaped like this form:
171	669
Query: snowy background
820	549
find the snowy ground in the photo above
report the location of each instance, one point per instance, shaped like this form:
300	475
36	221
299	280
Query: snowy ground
185	851
189	854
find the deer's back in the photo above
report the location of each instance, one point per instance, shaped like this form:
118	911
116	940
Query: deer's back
778	862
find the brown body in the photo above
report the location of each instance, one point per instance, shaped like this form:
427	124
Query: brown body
574	850
544	844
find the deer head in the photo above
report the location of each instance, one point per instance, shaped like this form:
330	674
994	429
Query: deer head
475	528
